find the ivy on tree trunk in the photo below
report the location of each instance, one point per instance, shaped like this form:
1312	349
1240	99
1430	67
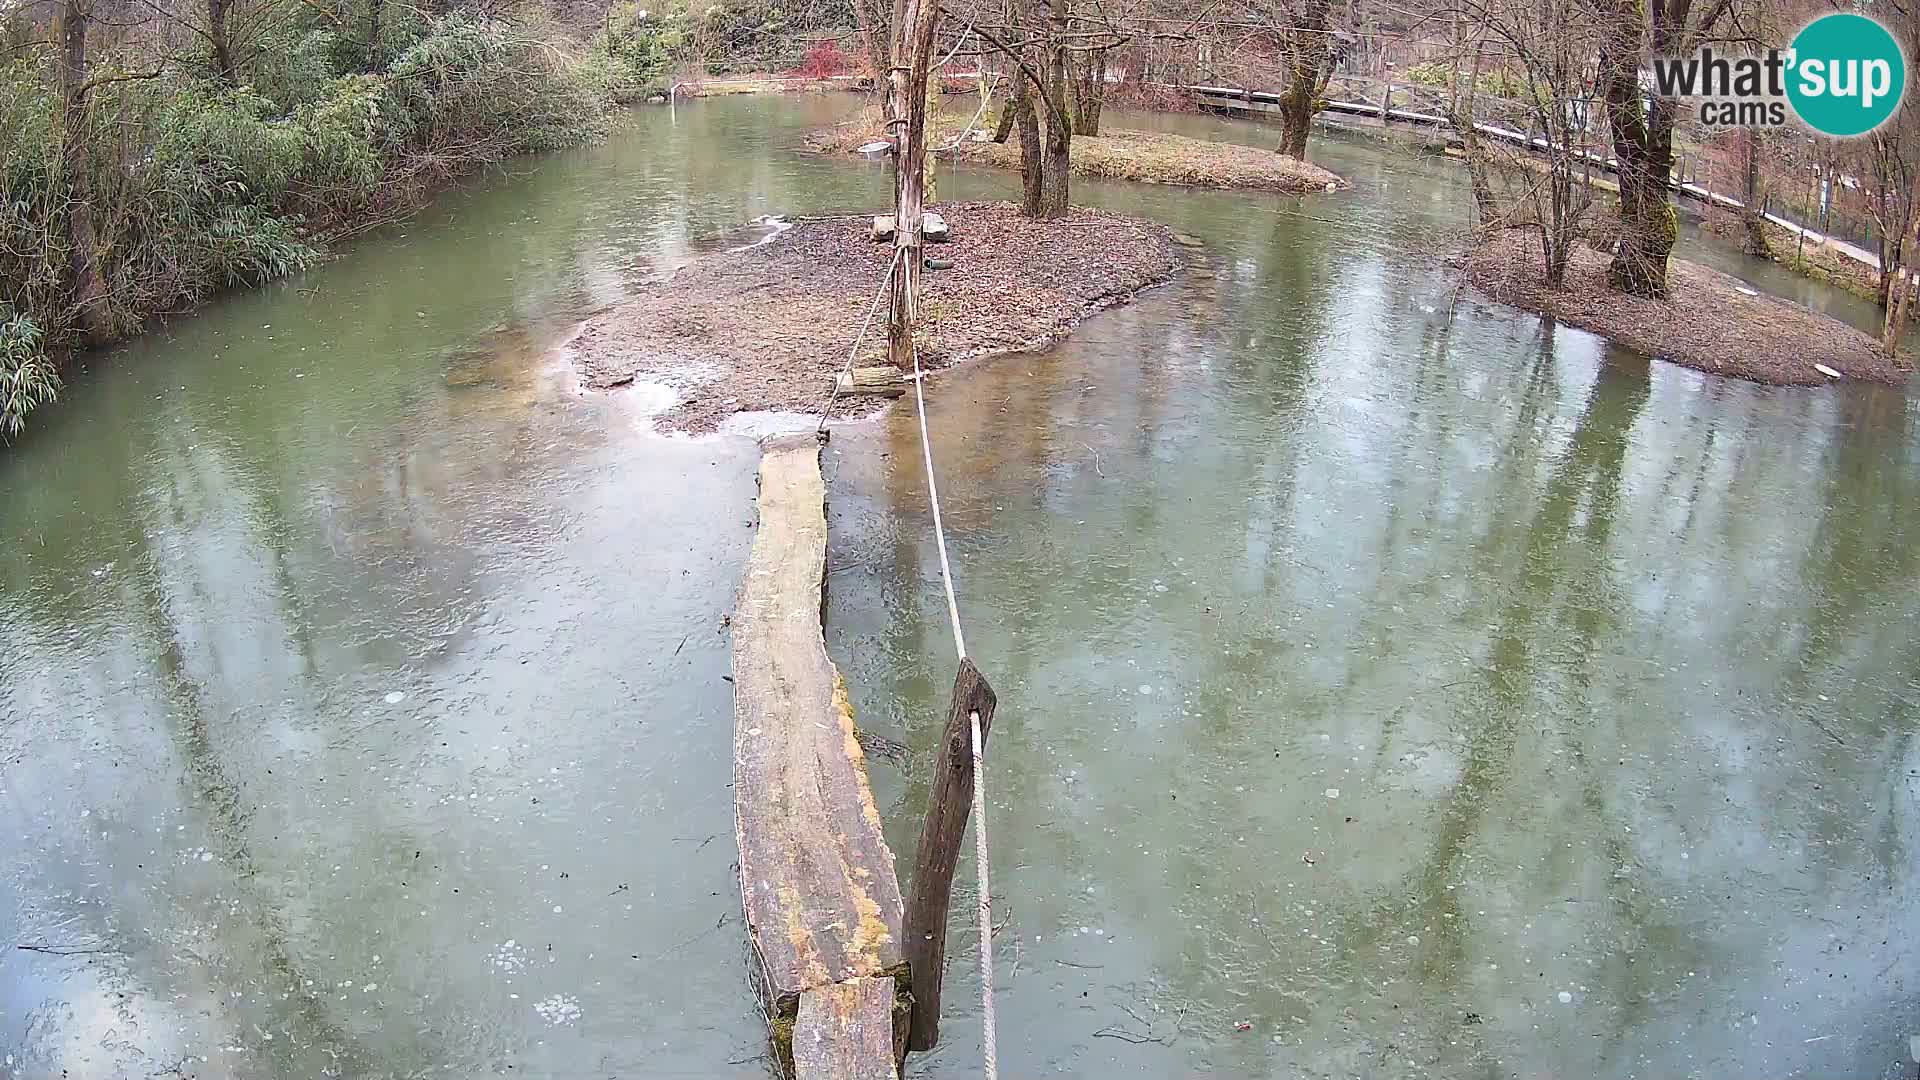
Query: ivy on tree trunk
1641	127
1309	67
86	283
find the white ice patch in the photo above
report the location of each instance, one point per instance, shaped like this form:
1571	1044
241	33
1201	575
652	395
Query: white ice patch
560	1010
395	697
761	423
509	957
775	224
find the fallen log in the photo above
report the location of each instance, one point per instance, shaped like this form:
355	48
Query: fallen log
817	883
884	381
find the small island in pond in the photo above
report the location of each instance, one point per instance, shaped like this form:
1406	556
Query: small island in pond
768	327
1152	157
1708	320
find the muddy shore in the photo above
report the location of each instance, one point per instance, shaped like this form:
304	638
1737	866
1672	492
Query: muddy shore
767	328
1710	321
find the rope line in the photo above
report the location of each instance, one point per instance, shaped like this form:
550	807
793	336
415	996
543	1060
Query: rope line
983	908
990	1050
977	114
857	339
933	496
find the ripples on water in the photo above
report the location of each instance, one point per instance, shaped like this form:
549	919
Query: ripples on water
1391	684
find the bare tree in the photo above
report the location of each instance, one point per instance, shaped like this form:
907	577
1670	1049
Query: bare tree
906	111
1036	44
876	33
1469	39
1088	71
86	283
1544	47
1753	197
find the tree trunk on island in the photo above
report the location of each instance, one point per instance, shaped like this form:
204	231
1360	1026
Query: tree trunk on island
86	282
1003	125
1309	67
907	103
1057	141
1642	134
1643	143
1046	128
1753	223
1027	122
1900	281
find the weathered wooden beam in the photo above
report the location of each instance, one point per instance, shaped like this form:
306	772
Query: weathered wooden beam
817	880
882	381
941	832
845	1031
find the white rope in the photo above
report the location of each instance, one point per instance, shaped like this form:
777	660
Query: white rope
989	1048
977	114
990	1044
857	339
933	496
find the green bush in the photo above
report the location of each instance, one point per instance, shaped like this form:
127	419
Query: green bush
187	181
491	90
641	46
197	185
32	208
296	65
347	142
27	377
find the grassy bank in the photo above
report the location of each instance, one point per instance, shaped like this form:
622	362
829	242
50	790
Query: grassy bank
1147	156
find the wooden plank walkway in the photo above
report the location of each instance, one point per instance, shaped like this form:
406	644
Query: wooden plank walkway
846	1029
817	879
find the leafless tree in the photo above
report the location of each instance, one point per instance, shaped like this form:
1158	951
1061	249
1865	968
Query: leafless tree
1542	48
1044	46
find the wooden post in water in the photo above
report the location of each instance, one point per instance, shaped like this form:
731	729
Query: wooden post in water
906	111
948	804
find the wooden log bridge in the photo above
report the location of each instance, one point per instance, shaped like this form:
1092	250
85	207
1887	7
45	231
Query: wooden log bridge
822	903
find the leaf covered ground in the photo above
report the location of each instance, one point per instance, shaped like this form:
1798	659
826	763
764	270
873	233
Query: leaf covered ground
767	328
1710	320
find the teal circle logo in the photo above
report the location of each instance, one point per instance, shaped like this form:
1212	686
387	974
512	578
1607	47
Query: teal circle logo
1847	75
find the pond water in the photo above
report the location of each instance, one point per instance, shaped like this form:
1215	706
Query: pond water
1391	684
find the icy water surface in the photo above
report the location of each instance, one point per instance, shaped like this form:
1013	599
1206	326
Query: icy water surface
1384	693
1390	688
